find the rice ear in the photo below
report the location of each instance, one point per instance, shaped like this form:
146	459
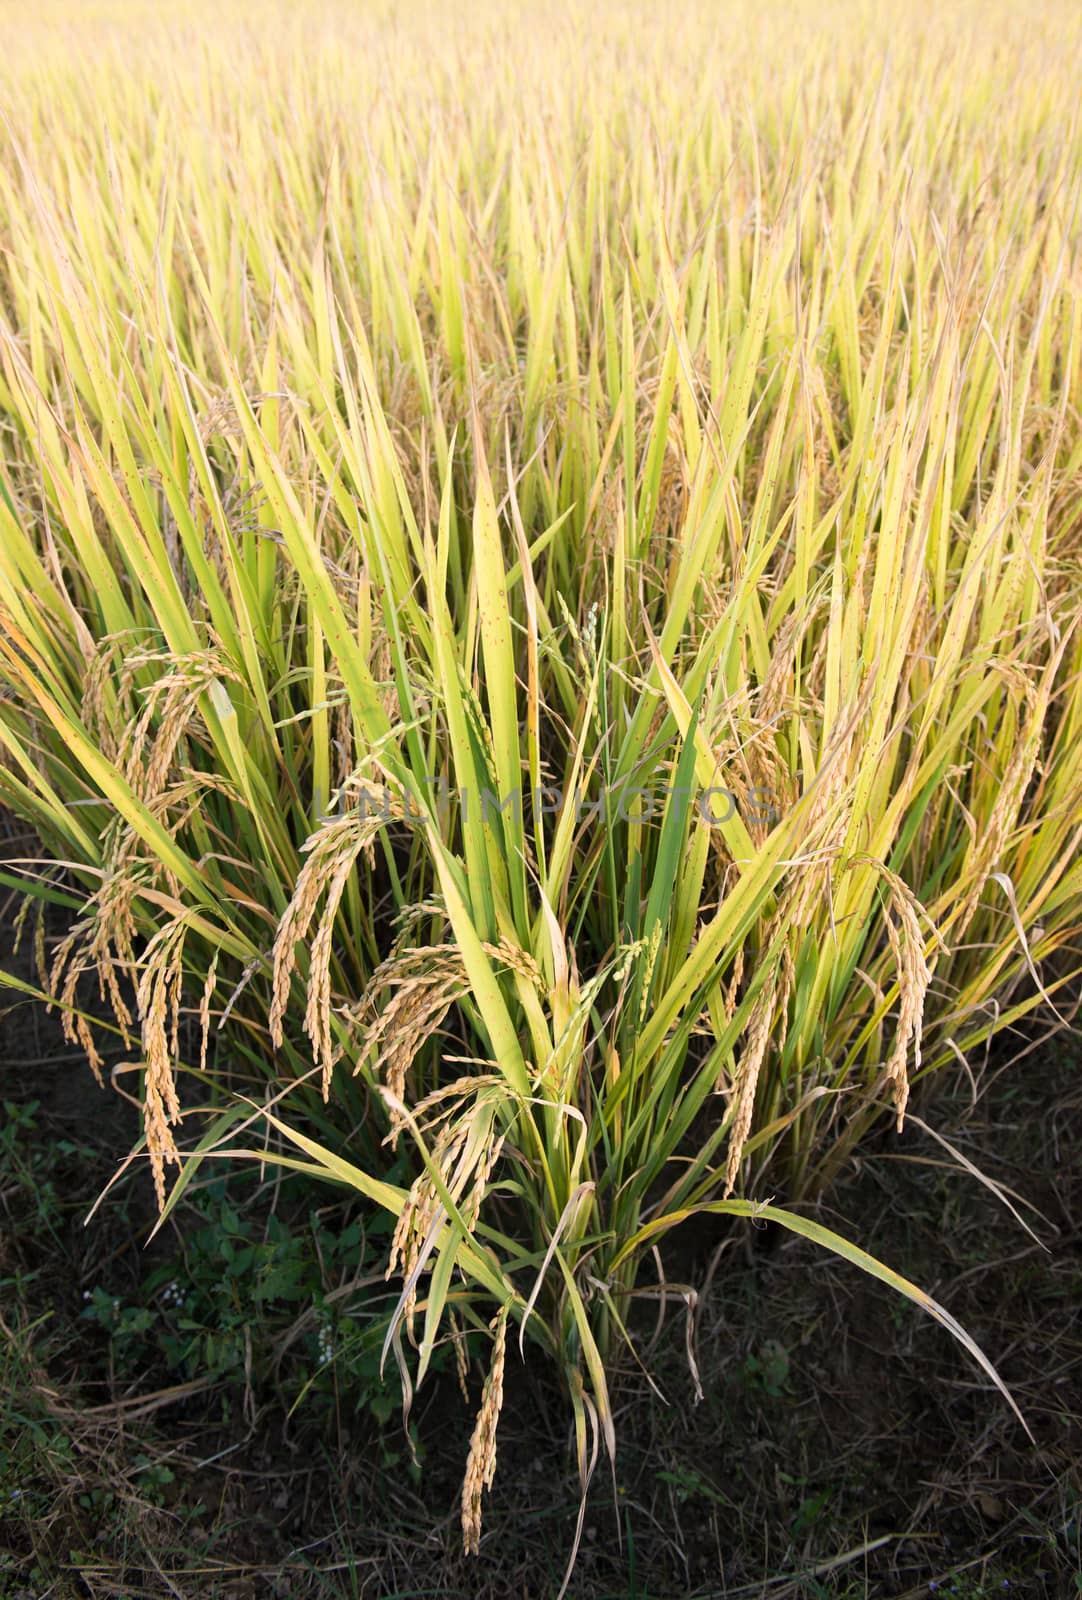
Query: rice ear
481	1463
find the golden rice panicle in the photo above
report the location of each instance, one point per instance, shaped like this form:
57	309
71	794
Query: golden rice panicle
471	1209
424	1208
425	982
204	1010
516	959
650	956
148	748
102	679
757	1042
332	854
987	849
731	990
101	941
159	996
317	1015
672	493
448	1098
465	1148
462	1360
481	1462
914	977
63	984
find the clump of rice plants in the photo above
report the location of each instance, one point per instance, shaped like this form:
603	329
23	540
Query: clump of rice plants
539	600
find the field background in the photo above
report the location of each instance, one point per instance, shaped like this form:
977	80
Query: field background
411	401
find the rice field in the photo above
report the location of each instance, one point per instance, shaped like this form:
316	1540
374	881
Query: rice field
540	581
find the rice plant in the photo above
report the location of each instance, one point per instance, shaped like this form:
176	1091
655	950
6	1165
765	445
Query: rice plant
540	572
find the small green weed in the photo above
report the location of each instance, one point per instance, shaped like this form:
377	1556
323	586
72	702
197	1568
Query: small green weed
259	1297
